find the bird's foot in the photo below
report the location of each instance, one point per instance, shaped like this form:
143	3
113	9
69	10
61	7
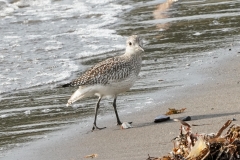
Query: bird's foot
96	127
119	123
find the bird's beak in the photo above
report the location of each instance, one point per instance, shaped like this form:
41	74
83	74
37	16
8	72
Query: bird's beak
140	48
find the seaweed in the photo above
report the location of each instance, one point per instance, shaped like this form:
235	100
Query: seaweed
213	146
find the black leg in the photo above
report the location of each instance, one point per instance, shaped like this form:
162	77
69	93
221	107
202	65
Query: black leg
115	109
95	118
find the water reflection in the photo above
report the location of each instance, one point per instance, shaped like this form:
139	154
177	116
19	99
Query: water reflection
161	13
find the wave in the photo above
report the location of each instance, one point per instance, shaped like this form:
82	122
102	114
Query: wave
45	39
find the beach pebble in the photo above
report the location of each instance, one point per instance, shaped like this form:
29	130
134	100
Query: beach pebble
126	125
188	118
161	118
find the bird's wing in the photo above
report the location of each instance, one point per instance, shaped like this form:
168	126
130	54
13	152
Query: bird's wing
103	72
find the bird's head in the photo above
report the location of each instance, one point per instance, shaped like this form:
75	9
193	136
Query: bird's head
134	45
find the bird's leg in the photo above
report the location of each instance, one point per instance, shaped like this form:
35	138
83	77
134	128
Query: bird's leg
95	119
115	109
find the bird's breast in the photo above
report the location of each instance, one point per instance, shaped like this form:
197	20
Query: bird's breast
114	88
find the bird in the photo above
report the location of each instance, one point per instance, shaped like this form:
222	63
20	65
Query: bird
110	77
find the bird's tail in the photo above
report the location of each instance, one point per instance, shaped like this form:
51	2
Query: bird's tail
79	94
66	85
71	84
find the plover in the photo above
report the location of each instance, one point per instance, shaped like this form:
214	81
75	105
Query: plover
110	77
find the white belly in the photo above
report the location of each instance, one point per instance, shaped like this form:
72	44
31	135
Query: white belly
114	88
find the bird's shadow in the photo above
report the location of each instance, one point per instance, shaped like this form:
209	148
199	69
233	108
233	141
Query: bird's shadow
193	118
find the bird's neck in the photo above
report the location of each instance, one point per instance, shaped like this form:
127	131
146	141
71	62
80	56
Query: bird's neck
132	53
135	57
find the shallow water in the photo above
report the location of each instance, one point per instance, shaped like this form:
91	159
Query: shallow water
47	43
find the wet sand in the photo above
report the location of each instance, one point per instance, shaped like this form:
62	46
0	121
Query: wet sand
210	104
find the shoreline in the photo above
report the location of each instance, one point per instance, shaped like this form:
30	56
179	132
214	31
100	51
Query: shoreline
210	103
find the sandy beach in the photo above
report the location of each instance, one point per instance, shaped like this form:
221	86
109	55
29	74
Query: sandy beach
209	103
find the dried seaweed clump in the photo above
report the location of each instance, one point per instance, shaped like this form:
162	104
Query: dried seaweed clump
214	146
175	111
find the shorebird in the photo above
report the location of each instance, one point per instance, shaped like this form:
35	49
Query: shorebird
110	77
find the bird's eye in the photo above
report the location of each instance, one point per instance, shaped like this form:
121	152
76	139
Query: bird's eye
130	43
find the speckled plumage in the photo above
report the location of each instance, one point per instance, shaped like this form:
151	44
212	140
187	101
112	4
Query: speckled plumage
111	76
111	70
